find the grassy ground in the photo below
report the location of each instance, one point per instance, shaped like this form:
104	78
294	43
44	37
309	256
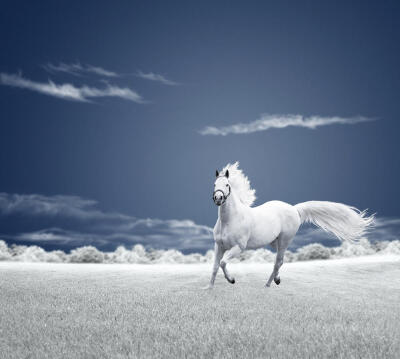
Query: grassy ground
327	309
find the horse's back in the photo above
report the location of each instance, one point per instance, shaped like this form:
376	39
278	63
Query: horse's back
272	219
287	214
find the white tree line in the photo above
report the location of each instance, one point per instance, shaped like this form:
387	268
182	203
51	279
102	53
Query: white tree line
140	255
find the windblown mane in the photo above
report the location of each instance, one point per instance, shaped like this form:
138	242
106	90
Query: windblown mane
240	184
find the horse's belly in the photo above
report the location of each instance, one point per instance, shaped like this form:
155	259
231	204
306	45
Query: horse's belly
265	228
258	241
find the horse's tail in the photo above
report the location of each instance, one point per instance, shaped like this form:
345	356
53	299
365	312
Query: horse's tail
345	222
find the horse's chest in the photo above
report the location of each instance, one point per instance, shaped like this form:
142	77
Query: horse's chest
229	235
226	239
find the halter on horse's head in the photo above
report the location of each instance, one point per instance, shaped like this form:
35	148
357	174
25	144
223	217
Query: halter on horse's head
222	188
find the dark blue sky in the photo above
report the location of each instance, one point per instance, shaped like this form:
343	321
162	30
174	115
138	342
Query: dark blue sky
234	61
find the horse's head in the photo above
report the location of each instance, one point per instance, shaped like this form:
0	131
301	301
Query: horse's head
222	188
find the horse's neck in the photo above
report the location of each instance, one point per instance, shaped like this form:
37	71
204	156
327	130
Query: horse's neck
231	208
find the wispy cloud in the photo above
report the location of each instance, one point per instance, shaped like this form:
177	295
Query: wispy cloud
77	69
75	221
156	77
69	91
267	122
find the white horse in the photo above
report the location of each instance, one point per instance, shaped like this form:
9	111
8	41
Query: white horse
240	226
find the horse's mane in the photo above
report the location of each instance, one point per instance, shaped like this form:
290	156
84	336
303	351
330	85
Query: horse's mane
240	184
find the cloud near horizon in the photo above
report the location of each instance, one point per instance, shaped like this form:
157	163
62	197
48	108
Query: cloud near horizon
71	221
267	122
67	222
69	91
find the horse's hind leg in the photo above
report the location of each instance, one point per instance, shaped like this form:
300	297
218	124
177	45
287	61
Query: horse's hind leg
281	244
274	245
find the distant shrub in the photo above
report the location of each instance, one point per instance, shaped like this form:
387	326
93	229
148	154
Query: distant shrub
31	254
87	254
387	247
123	255
16	250
289	257
381	245
37	254
194	258
58	257
139	254
392	247
257	256
4	252
154	254
348	249
170	256
34	254
244	256
139	250
209	256
312	251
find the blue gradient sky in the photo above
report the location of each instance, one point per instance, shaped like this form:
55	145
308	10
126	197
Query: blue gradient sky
233	62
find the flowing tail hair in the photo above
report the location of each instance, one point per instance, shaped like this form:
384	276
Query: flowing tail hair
345	222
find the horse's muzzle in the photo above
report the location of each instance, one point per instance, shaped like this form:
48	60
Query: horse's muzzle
219	197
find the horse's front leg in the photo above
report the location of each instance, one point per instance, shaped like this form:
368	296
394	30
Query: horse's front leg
218	255
233	252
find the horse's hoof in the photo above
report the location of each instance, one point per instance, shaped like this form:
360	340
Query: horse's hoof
277	281
232	281
208	287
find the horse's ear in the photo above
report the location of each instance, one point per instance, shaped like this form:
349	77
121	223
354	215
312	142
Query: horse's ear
227	174
216	173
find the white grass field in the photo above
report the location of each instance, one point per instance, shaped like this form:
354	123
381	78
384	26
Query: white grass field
347	308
